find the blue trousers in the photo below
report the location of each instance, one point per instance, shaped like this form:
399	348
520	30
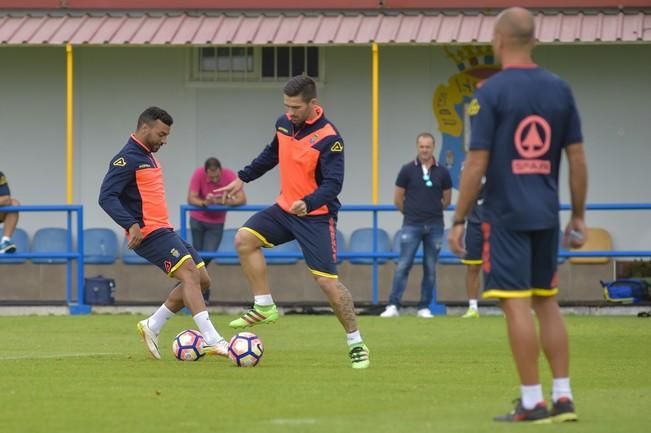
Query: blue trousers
410	238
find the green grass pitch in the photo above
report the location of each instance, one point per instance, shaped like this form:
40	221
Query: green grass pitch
91	374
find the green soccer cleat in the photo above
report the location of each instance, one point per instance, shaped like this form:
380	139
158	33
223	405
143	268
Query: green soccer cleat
256	316
359	356
563	411
149	337
471	314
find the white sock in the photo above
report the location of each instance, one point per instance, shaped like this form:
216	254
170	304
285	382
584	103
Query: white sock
263	300
531	395
6	238
472	303
354	338
156	321
561	388
206	328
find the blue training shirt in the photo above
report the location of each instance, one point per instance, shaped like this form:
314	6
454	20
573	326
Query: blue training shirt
524	116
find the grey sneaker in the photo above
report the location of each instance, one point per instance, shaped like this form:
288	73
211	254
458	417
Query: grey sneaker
7	247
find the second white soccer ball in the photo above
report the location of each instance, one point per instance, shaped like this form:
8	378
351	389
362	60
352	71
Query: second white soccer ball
245	349
187	345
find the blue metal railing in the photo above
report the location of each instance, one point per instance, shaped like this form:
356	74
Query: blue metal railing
375	255
70	254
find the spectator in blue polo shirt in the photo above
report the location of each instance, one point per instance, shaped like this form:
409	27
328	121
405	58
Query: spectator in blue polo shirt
423	191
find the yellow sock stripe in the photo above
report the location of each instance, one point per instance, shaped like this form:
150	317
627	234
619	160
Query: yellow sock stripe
472	262
264	241
178	264
201	265
323	274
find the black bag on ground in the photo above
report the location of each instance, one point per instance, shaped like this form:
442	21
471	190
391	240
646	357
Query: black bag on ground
626	290
99	290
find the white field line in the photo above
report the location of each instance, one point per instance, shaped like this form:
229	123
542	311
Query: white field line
59	355
293	421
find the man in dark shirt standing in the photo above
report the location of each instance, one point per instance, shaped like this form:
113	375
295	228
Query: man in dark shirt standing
522	119
9	219
423	191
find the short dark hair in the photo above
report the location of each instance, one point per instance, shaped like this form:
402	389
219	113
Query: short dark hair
153	114
212	162
301	85
425	135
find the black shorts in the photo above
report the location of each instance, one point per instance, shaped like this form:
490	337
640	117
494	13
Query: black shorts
474	241
165	249
519	264
315	234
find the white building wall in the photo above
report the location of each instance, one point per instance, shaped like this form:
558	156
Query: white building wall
113	85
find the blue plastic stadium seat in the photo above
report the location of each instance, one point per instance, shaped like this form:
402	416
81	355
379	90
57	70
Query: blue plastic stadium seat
227	245
361	241
396	249
445	249
287	247
50	240
129	257
100	246
20	238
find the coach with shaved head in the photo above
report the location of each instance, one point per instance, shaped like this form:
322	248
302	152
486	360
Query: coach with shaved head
522	120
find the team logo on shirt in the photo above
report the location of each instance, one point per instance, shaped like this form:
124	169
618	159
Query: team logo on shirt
314	138
175	253
337	147
532	140
473	107
120	162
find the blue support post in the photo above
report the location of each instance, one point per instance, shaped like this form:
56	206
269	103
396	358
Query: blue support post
80	307
376	288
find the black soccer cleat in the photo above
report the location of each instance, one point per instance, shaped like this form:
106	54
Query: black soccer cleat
538	415
563	411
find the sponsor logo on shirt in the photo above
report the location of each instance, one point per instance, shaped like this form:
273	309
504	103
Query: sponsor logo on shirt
532	141
337	147
120	162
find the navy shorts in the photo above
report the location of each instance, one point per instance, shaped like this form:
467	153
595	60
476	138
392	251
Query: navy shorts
474	244
165	249
315	234
519	264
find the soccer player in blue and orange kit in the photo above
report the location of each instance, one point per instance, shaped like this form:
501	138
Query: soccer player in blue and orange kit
522	119
310	153
133	194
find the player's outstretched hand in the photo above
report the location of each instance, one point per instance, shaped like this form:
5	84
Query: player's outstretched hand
229	190
135	236
455	240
